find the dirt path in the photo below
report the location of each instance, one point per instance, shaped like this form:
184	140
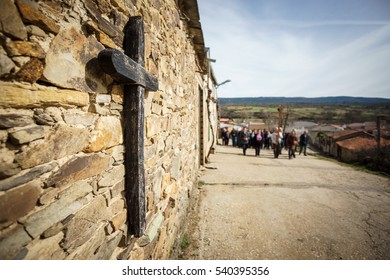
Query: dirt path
305	208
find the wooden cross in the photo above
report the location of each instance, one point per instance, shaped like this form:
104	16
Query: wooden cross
129	69
280	119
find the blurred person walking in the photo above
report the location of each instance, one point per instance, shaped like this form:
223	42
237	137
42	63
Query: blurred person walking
244	140
292	142
258	141
303	141
276	139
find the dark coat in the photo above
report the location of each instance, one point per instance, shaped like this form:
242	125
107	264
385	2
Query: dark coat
303	140
245	137
292	140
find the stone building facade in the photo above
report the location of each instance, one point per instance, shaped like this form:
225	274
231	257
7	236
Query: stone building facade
62	163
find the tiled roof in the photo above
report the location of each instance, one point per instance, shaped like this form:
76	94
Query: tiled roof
257	126
361	143
356	125
224	120
325	128
344	133
358	143
305	124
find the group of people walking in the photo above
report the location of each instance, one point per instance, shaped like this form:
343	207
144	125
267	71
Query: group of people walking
264	139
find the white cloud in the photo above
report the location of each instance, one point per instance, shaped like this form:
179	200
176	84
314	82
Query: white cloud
307	24
296	58
359	68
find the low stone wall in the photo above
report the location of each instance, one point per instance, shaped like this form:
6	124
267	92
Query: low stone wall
61	143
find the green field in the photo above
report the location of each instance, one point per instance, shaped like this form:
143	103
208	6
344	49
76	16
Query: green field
318	113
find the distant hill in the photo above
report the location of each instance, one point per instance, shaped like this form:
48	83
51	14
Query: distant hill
314	100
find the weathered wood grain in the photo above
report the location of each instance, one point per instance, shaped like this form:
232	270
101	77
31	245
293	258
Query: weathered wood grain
125	70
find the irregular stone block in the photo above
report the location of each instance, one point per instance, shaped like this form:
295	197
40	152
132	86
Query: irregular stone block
46	249
117	94
78	169
153	125
62	142
149	201
137	254
90	248
30	72
103	98
150	151
12	241
172	189
120	19
107	133
8	120
49	195
108	247
30	11
176	166
157	183
69	202
119	219
105	40
101	110
76	56
156	108
3	136
117	189
8	170
85	223
26	134
54	230
55	113
152	230
108	229
117	152
19	201
6	155
7	66
35	30
10	21
106	26
116	109
116	205
161	244
20	60
122	5
113	176
25	176
23	48
18	97
79	118
43	118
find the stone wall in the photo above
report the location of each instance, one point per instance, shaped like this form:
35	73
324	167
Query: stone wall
61	143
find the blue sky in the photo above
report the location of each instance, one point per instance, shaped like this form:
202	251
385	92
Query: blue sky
307	48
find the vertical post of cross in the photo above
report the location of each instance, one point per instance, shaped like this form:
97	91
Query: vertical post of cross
133	110
280	119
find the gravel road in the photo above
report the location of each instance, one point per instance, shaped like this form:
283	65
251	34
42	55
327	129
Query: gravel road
305	208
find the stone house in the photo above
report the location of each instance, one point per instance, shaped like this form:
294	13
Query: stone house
353	146
334	138
318	136
63	166
253	125
360	148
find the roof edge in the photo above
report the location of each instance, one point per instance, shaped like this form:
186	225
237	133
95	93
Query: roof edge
190	9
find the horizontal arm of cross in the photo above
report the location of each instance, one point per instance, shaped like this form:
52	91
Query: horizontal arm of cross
125	70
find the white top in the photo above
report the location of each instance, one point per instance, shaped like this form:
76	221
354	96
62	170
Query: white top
273	137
